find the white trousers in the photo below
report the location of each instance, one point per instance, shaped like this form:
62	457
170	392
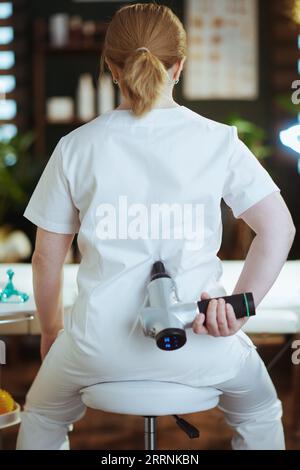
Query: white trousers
249	403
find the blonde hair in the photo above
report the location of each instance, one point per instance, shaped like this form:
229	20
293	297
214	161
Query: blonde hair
144	73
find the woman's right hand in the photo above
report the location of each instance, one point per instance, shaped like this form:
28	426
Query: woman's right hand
220	319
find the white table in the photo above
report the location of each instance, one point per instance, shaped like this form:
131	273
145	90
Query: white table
279	311
26	310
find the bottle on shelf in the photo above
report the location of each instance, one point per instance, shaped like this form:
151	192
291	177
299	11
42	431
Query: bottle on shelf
105	94
85	98
75	29
59	29
89	32
60	109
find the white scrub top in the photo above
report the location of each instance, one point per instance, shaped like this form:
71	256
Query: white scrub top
101	181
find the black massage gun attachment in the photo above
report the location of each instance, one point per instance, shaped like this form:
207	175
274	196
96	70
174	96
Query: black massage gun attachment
158	270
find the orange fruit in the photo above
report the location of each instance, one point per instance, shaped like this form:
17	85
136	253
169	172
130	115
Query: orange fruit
6	402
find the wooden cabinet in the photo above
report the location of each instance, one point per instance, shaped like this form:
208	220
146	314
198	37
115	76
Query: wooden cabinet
52	68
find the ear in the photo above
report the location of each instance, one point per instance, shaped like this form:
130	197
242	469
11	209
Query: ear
177	67
182	63
114	71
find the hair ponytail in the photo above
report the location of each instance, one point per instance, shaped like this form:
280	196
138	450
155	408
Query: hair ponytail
143	78
143	73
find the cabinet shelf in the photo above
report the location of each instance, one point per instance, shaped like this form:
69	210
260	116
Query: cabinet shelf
44	55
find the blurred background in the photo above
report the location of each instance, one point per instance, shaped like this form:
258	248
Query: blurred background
243	68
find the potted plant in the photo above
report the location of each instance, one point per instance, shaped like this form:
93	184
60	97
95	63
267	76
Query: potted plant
18	175
238	235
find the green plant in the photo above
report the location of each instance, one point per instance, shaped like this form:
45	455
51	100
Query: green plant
252	135
236	244
284	102
18	173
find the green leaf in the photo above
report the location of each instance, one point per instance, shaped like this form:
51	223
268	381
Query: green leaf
252	135
284	101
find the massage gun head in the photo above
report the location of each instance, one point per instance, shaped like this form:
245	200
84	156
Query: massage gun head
158	320
170	339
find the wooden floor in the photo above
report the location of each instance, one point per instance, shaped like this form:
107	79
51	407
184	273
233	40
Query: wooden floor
105	431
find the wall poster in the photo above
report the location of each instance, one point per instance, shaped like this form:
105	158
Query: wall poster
222	61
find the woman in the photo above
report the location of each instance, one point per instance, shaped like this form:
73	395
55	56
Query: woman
102	182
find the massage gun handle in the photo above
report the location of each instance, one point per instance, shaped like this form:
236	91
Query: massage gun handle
243	304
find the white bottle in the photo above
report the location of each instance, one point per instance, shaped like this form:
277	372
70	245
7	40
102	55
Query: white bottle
59	29
85	98
105	94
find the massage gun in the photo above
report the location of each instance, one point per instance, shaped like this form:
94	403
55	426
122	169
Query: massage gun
166	318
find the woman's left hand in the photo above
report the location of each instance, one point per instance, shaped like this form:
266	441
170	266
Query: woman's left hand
220	319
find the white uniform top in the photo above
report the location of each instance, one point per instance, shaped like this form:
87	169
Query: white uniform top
171	155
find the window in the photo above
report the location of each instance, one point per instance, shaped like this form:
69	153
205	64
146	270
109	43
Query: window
13	67
8	107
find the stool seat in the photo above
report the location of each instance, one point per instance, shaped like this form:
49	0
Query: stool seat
149	398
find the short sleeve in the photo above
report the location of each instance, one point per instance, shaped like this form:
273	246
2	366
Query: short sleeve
246	182
51	206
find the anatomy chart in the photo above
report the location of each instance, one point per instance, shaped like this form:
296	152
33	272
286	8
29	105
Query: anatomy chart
222	59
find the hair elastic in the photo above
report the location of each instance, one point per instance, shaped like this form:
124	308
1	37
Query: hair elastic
142	49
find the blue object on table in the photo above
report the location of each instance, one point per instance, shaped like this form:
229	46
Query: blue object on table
10	292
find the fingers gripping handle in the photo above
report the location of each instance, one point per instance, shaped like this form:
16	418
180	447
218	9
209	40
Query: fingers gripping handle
243	304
